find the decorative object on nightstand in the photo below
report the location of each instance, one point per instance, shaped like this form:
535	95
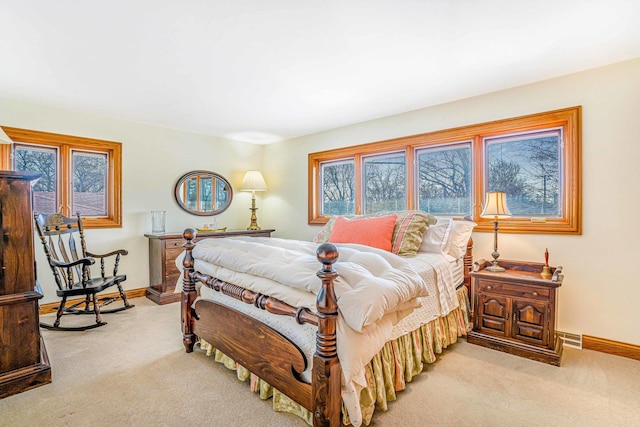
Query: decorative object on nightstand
253	181
515	311
495	206
211	228
157	221
546	270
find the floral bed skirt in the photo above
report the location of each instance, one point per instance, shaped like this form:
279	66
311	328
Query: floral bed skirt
388	372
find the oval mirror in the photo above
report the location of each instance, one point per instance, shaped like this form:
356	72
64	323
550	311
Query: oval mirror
203	193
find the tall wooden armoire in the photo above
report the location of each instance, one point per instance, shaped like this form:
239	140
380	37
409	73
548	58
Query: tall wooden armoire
23	357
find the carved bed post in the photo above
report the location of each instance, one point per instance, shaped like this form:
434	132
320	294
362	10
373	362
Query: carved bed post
468	265
188	291
327	402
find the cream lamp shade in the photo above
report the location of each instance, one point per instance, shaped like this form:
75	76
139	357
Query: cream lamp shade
4	138
253	181
495	205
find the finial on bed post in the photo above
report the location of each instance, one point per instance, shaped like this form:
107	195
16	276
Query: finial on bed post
188	290
326	366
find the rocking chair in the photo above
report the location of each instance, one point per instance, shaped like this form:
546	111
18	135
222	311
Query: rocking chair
72	273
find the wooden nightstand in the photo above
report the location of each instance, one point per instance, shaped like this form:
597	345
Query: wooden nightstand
515	311
163	251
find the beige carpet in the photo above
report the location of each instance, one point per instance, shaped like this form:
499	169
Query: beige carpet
134	372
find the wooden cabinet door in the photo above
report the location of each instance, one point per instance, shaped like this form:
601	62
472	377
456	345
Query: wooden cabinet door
493	315
530	321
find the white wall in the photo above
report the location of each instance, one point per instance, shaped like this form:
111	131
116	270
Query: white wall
600	293
154	158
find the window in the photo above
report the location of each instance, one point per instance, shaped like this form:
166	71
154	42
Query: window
78	174
384	183
444	179
527	168
89	172
534	159
338	187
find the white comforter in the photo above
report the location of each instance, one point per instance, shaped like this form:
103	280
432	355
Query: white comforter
375	290
371	283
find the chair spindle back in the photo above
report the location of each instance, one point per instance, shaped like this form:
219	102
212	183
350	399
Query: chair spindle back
58	235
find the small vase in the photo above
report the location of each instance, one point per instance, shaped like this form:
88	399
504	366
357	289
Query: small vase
157	222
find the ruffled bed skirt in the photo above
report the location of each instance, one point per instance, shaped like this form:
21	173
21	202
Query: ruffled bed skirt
388	372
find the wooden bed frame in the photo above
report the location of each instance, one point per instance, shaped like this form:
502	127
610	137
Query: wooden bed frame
264	351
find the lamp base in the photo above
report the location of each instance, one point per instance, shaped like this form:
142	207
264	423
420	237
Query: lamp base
495	268
254	219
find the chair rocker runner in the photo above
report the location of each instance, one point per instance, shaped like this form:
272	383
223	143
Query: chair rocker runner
72	272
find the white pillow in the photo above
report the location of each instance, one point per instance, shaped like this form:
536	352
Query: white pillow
436	238
459	236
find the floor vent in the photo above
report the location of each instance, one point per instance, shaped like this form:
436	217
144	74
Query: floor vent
570	340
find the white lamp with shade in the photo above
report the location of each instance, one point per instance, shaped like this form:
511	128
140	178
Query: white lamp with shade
253	181
495	206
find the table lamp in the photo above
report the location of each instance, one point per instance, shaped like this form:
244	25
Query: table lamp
495	206
253	181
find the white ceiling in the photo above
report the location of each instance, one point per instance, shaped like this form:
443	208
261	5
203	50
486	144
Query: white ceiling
263	71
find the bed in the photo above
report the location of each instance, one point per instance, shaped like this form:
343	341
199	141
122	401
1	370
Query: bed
326	361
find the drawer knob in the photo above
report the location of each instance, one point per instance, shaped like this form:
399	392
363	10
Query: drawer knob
535	294
489	287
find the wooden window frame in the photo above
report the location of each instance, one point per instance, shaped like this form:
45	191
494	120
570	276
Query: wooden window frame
569	119
65	144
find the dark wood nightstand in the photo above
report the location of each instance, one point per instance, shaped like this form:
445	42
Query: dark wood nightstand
163	251
515	311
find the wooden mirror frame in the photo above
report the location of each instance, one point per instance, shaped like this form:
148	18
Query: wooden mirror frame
179	191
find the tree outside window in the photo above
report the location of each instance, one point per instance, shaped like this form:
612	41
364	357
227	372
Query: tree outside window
527	168
338	187
79	175
89	183
444	179
384	183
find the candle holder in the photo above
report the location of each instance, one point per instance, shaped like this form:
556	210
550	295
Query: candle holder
546	270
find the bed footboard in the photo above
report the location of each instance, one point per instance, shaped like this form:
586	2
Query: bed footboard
231	331
271	356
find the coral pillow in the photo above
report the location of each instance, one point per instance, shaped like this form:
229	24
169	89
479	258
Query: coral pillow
373	231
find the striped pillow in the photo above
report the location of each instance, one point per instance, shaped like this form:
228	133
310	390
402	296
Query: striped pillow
409	231
325	232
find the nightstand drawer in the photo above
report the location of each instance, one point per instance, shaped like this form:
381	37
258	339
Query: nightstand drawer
172	253
514	290
174	244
